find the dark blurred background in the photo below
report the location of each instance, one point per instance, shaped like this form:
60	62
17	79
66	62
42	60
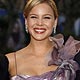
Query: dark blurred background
69	18
13	34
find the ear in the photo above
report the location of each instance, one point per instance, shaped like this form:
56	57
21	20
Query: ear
25	21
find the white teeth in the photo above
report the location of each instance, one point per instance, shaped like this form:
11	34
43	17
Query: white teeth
39	30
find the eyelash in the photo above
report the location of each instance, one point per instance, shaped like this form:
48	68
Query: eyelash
47	18
33	17
43	17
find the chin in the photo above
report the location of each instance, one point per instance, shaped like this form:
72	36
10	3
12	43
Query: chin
40	38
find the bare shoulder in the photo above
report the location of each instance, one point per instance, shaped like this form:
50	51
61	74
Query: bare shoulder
11	60
12	55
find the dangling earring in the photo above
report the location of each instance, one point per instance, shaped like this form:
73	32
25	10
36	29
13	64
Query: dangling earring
54	30
26	28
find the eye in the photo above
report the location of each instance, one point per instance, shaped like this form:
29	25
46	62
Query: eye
47	17
33	17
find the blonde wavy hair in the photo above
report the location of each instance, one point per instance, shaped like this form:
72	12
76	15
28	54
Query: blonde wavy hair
32	3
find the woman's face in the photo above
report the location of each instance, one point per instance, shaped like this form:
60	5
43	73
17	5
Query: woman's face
41	21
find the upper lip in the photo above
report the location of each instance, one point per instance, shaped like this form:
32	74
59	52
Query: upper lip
40	28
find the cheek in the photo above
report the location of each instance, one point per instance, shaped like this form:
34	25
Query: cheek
50	25
30	30
31	23
51	29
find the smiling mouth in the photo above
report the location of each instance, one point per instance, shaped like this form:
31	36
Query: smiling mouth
39	30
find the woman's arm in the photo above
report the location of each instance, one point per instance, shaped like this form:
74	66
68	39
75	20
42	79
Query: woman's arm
4	74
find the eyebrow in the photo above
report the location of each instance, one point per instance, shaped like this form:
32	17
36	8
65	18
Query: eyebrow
43	14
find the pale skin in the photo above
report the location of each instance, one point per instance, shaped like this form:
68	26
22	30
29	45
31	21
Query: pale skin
33	59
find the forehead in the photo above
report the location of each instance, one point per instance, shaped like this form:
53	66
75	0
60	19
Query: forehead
42	8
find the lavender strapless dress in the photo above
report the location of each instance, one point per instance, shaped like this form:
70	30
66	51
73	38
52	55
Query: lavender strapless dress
45	76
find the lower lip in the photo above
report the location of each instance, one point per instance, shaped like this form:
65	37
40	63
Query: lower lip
39	32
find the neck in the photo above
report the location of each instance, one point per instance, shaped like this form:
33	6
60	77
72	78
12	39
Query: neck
40	47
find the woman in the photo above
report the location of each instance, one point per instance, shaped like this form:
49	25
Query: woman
45	58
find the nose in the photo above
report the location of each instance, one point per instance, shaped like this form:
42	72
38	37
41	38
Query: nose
40	22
